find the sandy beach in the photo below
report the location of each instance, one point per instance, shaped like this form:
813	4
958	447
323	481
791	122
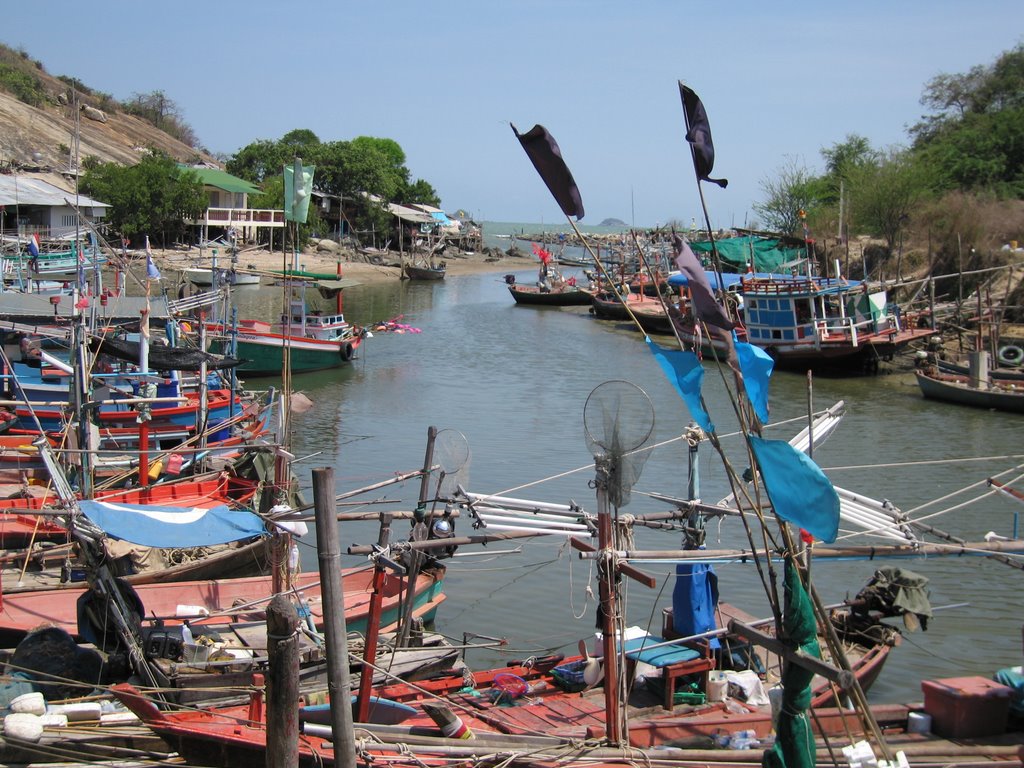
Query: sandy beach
352	265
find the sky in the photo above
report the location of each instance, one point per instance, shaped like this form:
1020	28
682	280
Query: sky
780	82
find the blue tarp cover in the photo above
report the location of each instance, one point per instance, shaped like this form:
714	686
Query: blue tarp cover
154	526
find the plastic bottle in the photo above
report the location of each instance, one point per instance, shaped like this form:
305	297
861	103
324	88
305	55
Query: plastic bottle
186	634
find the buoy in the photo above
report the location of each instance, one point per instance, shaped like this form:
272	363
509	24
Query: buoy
451	725
23	726
29	703
1011	355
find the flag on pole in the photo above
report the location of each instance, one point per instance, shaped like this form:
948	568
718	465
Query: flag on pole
543	151
298	189
686	375
799	491
704	305
152	272
698	133
33	244
756	366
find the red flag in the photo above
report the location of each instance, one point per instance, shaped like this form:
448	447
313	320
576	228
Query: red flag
543	150
540	253
698	133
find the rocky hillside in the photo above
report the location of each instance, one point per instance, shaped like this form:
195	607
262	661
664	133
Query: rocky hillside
41	137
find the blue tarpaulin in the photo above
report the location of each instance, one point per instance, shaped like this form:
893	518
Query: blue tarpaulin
155	526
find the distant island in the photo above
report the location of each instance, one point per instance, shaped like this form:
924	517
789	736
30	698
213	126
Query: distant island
612	223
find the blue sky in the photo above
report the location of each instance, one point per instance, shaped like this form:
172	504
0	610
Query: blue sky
780	81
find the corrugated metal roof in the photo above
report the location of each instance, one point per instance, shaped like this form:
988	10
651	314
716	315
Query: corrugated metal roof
215	177
410	214
26	190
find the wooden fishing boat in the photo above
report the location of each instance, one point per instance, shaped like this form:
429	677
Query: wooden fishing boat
216	601
207	277
433	271
560	294
510	704
830	325
998	395
649	312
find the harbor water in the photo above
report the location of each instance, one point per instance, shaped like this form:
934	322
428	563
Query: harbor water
506	386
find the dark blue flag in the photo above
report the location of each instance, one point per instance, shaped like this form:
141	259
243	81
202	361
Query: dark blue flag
547	159
698	133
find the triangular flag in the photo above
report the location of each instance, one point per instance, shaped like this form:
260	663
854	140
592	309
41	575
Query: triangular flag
698	133
543	150
756	366
686	374
799	491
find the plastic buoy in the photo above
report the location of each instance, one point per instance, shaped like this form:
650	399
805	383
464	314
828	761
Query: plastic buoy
23	726
29	703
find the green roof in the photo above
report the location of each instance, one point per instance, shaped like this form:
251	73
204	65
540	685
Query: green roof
214	177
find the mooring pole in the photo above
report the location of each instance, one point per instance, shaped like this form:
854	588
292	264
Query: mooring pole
329	553
282	684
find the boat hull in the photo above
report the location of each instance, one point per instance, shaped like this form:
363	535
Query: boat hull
955	389
423	273
531	295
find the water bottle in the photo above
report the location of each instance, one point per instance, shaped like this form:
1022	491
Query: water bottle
186	634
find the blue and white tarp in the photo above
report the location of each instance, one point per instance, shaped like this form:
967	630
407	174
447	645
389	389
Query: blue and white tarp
156	526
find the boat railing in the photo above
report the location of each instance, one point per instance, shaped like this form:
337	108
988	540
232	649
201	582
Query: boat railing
832	329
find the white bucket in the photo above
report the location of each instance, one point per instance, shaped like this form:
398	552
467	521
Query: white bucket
919	722
718	686
30	703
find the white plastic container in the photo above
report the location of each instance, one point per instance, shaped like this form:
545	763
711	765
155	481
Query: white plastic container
718	686
191	611
919	722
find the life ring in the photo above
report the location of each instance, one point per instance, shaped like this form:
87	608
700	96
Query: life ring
1011	355
347	350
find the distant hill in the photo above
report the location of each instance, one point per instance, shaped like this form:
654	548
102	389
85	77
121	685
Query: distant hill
41	136
612	223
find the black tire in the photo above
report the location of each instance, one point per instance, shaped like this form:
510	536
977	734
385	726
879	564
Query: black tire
1011	355
347	350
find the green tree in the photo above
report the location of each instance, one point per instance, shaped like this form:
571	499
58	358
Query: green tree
154	197
162	112
367	172
792	190
974	138
885	195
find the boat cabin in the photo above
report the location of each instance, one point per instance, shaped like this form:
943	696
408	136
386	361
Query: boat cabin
794	309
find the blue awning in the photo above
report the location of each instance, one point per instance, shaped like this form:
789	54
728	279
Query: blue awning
156	526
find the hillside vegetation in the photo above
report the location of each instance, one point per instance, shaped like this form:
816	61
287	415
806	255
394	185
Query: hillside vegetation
38	112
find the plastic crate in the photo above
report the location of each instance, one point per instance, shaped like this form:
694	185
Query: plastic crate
966	707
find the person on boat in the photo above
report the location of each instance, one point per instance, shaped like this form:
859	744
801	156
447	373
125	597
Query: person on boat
543	280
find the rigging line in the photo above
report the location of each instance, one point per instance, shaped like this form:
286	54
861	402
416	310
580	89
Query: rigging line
923	462
966	488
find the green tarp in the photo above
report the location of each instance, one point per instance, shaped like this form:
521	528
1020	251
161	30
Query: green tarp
794	738
769	254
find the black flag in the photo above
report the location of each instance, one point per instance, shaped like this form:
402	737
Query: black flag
698	133
547	159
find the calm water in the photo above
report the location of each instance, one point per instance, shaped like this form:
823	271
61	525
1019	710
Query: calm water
508	384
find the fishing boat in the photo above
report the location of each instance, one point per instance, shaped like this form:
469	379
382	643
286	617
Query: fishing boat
311	341
429	271
649	313
535	296
830	325
995	395
209	277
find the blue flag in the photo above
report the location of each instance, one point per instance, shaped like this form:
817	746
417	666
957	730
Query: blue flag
686	374
799	491
757	366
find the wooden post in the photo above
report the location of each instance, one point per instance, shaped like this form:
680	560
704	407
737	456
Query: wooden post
282	684
329	553
373	624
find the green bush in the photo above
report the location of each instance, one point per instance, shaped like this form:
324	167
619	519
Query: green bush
22	85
